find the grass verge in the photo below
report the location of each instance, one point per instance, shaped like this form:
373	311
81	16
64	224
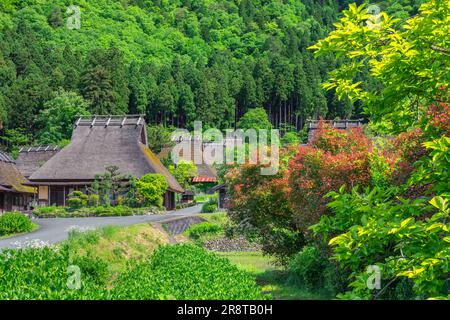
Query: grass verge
117	245
5	236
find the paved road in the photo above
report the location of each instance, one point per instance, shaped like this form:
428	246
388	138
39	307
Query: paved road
57	229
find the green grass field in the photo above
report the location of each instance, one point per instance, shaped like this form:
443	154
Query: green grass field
271	278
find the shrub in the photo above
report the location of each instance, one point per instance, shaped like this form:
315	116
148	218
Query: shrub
260	209
382	163
210	206
14	222
167	275
93	200
290	138
407	149
50	211
405	238
46	209
116	211
75	203
98	211
93	267
42	273
77	199
151	188
280	208
334	158
312	271
184	172
337	141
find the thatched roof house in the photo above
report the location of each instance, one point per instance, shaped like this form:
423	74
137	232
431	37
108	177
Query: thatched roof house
206	172
14	195
30	159
97	143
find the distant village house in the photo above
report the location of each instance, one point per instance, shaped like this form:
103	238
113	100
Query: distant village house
14	195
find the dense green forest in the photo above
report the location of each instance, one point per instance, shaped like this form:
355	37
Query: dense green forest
175	61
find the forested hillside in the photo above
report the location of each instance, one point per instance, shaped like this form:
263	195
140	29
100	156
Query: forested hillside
174	61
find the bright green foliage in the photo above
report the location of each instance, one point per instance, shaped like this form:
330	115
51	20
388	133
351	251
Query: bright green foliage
382	231
77	199
198	230
151	187
290	138
255	119
59	115
381	170
404	237
150	57
185	272
311	270
210	206
42	274
93	211
14	222
14	138
92	267
434	169
184	172
400	224
93	200
409	61
202	198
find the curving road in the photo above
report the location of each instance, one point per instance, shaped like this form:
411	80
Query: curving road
57	229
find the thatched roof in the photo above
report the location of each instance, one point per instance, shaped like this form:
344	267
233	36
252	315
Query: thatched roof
206	173
32	158
99	142
10	177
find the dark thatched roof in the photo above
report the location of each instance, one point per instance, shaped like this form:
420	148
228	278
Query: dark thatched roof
32	158
96	145
10	177
5	189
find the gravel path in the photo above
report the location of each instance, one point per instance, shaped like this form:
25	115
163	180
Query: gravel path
57	229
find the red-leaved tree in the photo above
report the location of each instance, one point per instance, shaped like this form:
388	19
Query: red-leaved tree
333	158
